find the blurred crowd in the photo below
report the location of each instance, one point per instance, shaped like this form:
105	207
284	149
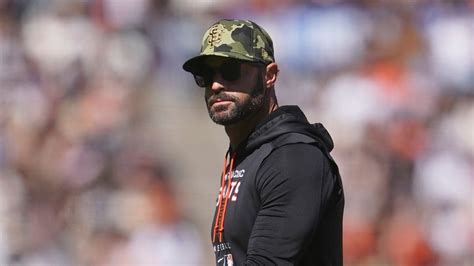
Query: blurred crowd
84	177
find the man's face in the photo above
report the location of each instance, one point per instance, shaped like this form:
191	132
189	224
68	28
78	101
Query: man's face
231	101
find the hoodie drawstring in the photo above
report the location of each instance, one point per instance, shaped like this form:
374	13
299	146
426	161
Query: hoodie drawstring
224	193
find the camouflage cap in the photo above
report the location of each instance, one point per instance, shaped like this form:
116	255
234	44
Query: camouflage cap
239	39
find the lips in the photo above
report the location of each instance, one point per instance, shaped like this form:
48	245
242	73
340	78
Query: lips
220	101
213	100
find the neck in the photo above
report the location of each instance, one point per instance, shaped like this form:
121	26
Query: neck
239	131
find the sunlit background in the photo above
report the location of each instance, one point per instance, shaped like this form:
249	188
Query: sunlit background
108	157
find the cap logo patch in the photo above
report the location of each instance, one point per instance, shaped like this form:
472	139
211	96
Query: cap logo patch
215	35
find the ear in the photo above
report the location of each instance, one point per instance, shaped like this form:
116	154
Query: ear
271	74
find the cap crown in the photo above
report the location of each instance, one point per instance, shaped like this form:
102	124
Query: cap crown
241	39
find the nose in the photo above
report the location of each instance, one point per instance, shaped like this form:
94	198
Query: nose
217	83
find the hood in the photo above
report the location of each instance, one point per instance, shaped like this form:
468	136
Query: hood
286	119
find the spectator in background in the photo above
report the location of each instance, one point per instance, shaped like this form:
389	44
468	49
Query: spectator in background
166	238
146	211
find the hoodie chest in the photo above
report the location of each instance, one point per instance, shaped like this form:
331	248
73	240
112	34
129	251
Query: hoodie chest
241	195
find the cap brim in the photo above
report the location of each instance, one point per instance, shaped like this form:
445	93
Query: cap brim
194	64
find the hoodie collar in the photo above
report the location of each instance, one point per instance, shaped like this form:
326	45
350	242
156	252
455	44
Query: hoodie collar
286	119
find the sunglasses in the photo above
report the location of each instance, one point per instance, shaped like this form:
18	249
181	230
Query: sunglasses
230	70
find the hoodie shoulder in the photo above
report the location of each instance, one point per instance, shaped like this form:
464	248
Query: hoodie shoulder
286	120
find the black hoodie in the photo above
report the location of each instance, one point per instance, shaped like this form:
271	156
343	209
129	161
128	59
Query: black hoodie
284	202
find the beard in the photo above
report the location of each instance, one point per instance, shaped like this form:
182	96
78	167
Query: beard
224	115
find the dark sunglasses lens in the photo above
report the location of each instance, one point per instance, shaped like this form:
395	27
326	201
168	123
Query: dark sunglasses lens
200	81
230	70
203	77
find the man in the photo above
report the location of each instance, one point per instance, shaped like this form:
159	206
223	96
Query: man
281	199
